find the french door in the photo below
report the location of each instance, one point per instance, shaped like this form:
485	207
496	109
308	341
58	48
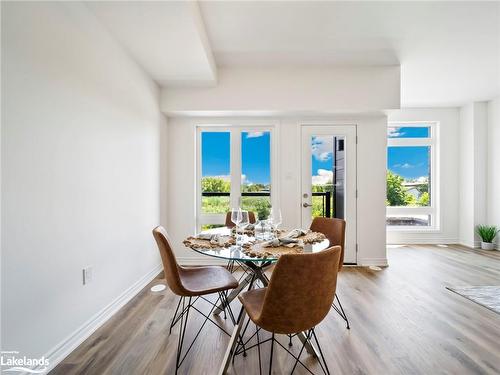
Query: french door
235	168
329	178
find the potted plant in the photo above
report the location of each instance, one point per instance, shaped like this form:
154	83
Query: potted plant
487	234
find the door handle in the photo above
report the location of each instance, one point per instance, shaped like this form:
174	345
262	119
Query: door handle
305	205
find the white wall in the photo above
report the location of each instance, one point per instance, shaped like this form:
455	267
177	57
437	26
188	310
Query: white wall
449	152
80	175
466	176
290	90
472	171
493	165
371	180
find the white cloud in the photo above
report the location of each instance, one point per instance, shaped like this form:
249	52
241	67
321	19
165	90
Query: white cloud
322	148
404	166
323	177
244	179
394	132
423	179
255	134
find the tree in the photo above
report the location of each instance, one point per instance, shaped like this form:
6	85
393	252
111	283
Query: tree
396	192
251	188
424	199
215	185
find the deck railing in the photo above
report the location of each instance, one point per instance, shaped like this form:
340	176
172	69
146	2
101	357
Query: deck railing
326	201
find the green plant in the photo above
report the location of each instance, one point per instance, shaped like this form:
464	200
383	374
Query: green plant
487	232
396	192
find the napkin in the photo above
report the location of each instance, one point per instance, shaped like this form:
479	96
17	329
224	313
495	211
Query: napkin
249	227
283	241
296	233
215	239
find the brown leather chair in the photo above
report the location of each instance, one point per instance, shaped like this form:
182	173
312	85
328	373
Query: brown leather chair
230	224
297	299
189	282
334	230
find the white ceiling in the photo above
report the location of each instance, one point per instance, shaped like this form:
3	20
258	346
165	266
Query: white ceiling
167	39
449	51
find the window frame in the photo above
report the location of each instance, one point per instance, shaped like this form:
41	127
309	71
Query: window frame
433	210
235	129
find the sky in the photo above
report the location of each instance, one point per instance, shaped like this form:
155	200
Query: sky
409	162
322	159
256	156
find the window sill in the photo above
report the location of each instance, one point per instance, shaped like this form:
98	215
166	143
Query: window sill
413	230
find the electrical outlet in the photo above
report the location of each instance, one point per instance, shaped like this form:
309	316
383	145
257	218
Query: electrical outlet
87	275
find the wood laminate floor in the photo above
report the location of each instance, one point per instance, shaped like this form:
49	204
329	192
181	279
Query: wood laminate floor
403	319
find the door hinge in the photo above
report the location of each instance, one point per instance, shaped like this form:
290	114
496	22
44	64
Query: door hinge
357	248
356	193
356	139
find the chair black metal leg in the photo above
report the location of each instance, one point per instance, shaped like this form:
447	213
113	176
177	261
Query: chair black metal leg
307	338
182	333
325	369
271	357
340	310
182	316
258	349
172	323
301	350
228	307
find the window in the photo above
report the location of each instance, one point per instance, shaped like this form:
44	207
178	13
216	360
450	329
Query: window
411	176
234	169
256	172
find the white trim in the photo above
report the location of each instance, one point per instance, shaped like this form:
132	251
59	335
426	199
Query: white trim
424	240
434	209
366	262
71	342
342	128
472	245
235	127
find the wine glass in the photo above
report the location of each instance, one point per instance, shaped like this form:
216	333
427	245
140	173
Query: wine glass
275	219
236	219
245	220
236	216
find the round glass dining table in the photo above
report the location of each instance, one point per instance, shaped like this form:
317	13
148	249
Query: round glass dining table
236	253
255	268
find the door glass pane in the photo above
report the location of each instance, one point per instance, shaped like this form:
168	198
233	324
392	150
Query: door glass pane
408	176
256	172
215	172
408	132
328	167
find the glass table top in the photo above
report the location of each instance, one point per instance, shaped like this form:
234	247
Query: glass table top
236	252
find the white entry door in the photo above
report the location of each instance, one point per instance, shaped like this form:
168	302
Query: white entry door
329	178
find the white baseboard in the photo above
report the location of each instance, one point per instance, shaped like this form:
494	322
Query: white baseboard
65	347
472	245
476	245
422	240
366	262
